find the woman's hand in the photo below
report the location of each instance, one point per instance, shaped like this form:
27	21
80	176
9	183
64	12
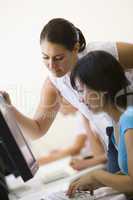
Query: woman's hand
6	97
78	164
86	182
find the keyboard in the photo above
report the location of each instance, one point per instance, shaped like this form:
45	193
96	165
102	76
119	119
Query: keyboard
61	195
67	172
54	176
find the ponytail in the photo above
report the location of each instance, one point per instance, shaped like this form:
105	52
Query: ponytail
80	39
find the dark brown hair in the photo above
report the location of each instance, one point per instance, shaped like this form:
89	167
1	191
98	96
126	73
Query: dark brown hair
63	32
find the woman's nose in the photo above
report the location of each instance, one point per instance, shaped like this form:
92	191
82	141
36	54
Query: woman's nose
51	64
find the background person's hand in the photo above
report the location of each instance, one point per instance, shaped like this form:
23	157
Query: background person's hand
79	164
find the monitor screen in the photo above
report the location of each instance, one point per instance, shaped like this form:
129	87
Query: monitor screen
15	144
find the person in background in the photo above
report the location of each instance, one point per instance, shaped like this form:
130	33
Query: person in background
105	87
66	109
81	146
62	44
97	153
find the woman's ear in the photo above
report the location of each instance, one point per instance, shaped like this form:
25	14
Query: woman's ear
76	48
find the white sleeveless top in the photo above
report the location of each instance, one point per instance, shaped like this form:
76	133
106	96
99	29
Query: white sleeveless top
99	122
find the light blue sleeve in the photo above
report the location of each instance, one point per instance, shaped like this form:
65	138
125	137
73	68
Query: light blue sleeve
126	120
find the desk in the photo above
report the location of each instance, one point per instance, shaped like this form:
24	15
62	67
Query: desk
34	189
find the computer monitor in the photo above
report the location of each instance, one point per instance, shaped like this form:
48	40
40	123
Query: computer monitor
14	149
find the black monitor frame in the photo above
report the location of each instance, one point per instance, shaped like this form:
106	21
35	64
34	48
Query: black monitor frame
13	142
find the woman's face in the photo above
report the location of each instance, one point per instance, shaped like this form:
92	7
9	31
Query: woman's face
93	99
57	58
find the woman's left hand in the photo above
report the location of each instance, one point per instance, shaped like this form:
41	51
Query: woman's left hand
6	97
79	164
86	182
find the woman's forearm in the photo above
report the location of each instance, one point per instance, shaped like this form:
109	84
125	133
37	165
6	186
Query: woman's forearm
28	126
122	183
96	160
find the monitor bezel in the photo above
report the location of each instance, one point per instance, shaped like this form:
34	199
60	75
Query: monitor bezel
26	170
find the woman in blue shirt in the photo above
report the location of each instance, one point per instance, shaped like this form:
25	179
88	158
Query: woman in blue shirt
101	81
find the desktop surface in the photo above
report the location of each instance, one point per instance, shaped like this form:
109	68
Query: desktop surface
36	188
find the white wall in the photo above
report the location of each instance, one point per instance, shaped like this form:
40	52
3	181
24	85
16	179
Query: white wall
21	69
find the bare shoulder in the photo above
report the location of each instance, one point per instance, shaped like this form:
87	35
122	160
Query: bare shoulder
129	135
125	53
49	92
49	98
129	141
49	87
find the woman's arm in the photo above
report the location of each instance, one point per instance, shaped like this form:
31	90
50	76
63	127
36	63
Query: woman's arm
61	153
95	179
97	148
129	147
78	144
122	183
95	141
45	114
125	54
80	164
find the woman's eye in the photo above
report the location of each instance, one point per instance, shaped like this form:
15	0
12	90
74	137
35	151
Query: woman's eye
45	58
58	58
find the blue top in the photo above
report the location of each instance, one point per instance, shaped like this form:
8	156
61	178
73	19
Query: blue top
125	122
